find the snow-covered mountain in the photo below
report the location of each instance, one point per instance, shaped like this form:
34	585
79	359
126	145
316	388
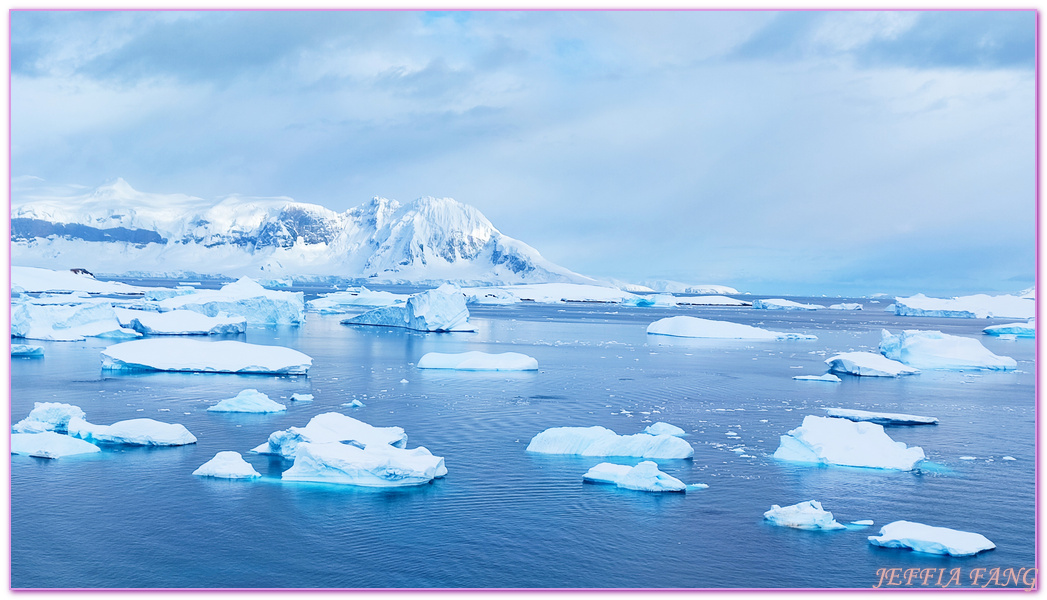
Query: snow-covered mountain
117	229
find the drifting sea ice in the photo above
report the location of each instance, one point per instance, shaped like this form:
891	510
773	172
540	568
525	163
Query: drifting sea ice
710	301
248	401
782	304
554	293
829	441
694	327
662	428
185	355
134	432
331	427
48	416
846	306
243	298
880	418
376	465
442	309
805	515
979	306
184	322
478	361
1022	330
868	364
937	350
67	323
26	351
828	378
227	465
600	441
49	444
301	397
644	477
930	540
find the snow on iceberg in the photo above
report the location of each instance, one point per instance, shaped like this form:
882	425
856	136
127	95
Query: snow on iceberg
331	427
227	465
243	298
135	432
184	322
782	304
1022	330
375	465
829	441
662	428
48	416
26	351
868	364
248	401
644	477
880	418
937	350
827	377
478	361
352	300
225	356
442	309
978	306
930	540
694	327
600	441
805	515
49	444
62	323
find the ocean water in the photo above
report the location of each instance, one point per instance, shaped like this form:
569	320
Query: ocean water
505	518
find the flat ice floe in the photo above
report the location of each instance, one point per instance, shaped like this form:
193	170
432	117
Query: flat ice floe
710	301
439	310
694	327
644	477
830	441
33	279
930	540
827	378
805	515
26	351
375	465
49	444
478	361
48	416
937	350
880	418
979	306
183	322
134	432
185	355
227	465
868	364
662	428
66	323
248	401
600	441
243	298
331	427
1022	330
782	304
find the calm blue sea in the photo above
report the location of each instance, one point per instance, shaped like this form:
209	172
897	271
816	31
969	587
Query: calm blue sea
133	517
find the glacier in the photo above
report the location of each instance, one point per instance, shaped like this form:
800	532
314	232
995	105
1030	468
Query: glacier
1022	330
375	465
49	444
805	515
331	427
931	540
644	477
868	364
440	310
880	418
937	350
184	355
782	304
978	306
694	327
600	441
478	361
134	432
182	322
830	441
248	401
227	465
48	416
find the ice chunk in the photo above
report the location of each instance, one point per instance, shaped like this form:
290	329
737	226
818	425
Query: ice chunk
134	432
375	465
226	356
782	304
48	416
354	404
937	350
863	522
1008	458
227	465
478	361
880	418
72	323
1022	330
661	428
244	298
644	477
354	300
828	377
442	309
331	427
186	322
805	515
930	540
26	351
829	441
868	364
49	444
693	327
846	306
248	401
301	397
600	441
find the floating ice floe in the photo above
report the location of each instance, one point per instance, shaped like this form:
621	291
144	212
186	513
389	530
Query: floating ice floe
846	306
243	298
496	296
644	477
979	306
600	441
71	323
805	515
248	401
863	523
782	304
227	465
49	444
937	350
185	355
694	327
353	300
32	279
375	465
828	377
1022	330
26	351
331	427
930	540
710	301
134	432
442	309
48	416
554	293
354	404
301	397
830	441
662	428
880	418
868	364
184	322
478	361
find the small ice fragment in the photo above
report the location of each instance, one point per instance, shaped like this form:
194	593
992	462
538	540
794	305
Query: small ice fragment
1008	458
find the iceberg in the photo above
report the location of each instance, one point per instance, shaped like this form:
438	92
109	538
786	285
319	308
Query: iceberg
782	304
880	418
600	441
248	401
867	364
134	432
33	279
937	350
829	441
930	540
352	300
301	397
1022	330
48	416
227	465
478	361
694	327
805	515
185	322
553	293
49	444
710	301
225	356
661	428
846	306
828	378
442	309
331	427
375	465
26	351
644	477
243	298
978	306
494	296
67	323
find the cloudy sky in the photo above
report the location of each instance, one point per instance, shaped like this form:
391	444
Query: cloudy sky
776	152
